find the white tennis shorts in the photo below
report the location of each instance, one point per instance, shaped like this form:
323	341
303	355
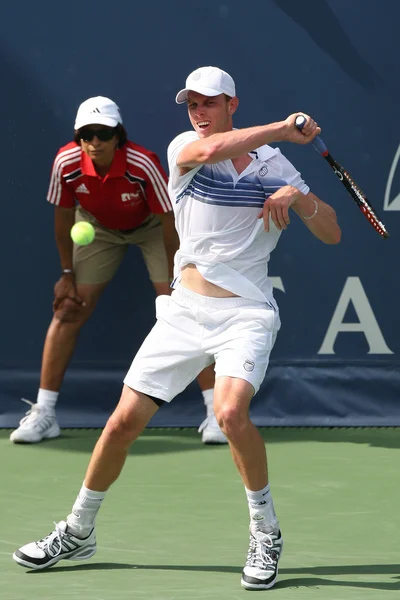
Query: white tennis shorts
192	331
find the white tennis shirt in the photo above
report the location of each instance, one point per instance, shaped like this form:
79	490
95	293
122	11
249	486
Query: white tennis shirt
216	218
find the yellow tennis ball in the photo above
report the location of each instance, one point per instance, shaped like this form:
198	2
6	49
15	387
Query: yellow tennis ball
82	233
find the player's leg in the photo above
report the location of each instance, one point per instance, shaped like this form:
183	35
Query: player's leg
94	267
127	422
232	401
168	360
241	362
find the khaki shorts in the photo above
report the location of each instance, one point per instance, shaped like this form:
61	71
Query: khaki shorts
99	261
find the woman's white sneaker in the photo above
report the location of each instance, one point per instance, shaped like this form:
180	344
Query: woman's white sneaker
39	423
58	545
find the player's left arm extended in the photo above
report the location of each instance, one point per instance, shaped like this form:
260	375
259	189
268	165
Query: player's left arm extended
171	239
318	216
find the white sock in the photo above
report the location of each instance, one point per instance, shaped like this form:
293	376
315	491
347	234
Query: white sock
262	512
84	511
47	399
208	396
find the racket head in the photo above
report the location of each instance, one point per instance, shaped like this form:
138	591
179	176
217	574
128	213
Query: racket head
359	197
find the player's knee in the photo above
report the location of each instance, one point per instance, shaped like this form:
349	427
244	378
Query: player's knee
119	430
70	312
231	419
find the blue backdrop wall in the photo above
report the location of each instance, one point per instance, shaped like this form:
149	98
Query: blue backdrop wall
336	360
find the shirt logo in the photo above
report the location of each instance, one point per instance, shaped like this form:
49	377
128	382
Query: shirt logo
129	197
82	189
249	365
263	171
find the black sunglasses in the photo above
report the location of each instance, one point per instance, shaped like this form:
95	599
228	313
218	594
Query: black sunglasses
104	135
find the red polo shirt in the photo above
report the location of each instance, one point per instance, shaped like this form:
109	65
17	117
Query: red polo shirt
134	187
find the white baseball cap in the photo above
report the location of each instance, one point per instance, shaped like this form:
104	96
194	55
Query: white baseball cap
209	81
98	111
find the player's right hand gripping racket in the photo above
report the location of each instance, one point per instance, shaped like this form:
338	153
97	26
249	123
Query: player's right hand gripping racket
355	192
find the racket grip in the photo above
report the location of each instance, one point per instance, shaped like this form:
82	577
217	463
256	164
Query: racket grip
317	142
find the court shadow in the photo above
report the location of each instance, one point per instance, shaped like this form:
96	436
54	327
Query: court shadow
152	441
297	582
100	566
340	571
315	582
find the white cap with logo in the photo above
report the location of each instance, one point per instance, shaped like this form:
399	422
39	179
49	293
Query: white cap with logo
209	81
98	111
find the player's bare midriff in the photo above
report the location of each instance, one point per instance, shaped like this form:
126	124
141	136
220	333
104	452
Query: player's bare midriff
194	281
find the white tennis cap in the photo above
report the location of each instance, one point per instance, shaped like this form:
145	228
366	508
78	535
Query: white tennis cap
209	81
98	111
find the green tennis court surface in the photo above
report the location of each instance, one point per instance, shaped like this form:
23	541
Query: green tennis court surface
175	525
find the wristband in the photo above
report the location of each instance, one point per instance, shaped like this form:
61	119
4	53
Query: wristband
67	271
314	213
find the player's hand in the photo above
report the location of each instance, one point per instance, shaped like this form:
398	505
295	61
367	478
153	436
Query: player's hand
306	135
277	207
66	288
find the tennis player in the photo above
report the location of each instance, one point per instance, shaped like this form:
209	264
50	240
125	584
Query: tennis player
233	195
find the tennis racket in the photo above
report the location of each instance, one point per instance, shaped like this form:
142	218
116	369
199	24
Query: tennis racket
355	192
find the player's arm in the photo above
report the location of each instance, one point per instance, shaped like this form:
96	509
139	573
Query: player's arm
319	217
171	240
231	144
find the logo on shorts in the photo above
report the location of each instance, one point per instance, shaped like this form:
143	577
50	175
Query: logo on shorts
249	365
263	171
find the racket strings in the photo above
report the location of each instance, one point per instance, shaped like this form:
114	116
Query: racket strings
366	207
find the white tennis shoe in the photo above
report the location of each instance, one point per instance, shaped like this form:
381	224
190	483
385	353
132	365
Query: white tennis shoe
261	569
58	545
38	423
